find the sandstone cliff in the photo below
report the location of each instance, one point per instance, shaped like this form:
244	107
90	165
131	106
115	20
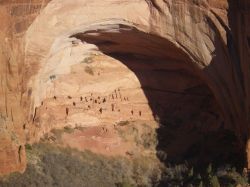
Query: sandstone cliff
88	63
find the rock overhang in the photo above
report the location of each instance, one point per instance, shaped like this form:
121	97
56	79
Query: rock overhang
181	23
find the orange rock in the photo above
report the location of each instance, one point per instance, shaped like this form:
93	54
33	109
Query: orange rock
162	55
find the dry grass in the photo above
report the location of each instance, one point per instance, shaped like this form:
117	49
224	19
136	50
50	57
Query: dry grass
53	166
142	134
49	165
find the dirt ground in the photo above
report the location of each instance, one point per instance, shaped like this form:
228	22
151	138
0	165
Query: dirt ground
122	139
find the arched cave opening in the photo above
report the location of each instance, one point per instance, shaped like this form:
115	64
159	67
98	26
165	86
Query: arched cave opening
191	125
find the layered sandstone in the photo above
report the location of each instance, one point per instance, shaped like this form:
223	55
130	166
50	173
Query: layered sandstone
90	63
15	16
193	34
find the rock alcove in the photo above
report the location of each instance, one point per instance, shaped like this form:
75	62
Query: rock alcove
112	72
190	119
92	63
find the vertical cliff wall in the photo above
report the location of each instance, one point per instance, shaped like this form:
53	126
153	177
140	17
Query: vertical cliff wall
16	17
239	45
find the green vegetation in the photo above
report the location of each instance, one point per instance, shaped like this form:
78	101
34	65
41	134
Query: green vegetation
148	138
145	136
89	70
28	147
185	175
52	77
58	133
50	165
123	123
87	60
68	129
80	128
53	166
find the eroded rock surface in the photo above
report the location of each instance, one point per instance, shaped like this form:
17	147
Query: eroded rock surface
92	63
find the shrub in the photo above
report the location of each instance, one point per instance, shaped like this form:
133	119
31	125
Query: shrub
57	132
162	155
87	60
52	77
28	147
209	169
214	181
123	123
56	166
68	129
89	70
201	184
124	184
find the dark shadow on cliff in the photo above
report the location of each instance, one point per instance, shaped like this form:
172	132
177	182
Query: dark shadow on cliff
191	128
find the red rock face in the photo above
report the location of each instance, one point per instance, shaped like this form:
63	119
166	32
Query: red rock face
16	16
148	59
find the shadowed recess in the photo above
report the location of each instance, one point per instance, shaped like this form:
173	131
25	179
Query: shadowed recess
191	124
